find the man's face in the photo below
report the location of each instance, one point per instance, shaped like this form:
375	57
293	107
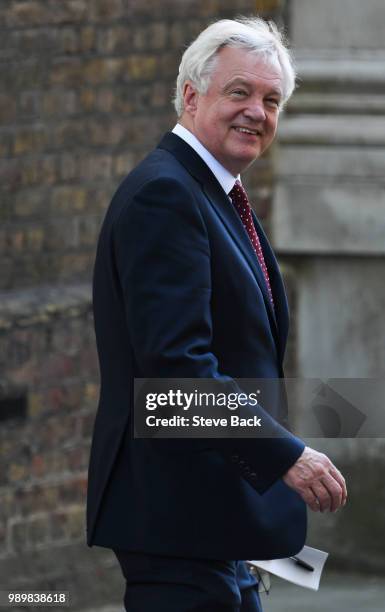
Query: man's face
237	118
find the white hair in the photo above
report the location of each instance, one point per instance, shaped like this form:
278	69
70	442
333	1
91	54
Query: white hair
253	34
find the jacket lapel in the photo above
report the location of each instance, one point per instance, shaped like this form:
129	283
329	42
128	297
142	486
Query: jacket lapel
277	286
230	218
234	226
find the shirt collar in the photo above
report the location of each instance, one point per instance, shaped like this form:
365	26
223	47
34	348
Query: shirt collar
223	176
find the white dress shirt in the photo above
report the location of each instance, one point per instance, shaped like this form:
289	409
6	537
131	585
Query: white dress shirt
223	176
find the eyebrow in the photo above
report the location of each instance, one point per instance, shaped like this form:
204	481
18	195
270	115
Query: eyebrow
240	81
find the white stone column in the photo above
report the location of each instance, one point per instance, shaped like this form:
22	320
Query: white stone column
328	225
329	205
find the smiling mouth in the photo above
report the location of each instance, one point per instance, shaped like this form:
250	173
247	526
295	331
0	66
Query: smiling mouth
244	130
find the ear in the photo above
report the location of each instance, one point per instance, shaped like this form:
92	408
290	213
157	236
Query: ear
190	98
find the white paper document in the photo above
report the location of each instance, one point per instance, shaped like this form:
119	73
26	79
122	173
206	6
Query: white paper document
291	570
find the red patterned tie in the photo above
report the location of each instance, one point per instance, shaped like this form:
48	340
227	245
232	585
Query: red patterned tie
239	198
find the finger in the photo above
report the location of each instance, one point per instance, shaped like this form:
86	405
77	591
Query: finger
336	474
322	494
335	492
310	499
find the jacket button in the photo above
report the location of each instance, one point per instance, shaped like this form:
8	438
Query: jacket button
235	458
253	476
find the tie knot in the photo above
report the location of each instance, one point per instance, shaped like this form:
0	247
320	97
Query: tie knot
239	196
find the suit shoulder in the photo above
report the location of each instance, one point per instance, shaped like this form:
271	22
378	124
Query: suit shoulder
160	176
159	165
160	181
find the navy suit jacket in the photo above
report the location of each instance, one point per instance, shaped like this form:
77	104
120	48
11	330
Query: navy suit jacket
179	293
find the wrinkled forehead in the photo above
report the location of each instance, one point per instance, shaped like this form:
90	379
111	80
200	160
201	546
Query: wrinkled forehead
229	56
232	61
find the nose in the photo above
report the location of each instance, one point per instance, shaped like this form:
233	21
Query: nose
255	111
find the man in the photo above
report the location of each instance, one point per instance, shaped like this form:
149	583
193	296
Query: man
186	286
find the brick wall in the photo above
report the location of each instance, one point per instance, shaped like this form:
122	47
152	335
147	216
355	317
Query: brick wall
50	381
85	88
85	92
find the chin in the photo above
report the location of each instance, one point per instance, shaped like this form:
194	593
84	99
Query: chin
246	161
247	157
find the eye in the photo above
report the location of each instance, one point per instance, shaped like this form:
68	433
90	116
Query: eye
239	93
273	102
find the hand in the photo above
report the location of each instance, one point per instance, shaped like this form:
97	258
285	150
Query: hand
317	481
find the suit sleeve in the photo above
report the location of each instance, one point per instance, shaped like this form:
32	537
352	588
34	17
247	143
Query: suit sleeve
163	260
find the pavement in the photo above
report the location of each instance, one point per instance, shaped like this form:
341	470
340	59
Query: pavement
339	592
